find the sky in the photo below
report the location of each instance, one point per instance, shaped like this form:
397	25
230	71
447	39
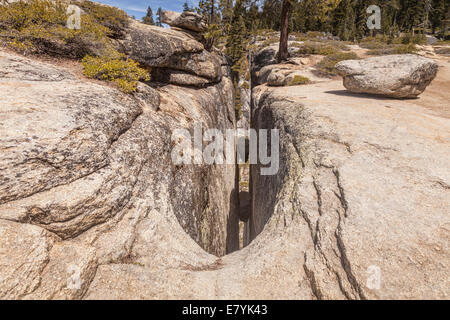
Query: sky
138	8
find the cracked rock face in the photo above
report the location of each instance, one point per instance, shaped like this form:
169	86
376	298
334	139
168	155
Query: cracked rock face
86	180
365	205
398	76
91	206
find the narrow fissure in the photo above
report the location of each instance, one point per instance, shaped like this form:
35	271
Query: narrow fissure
243	105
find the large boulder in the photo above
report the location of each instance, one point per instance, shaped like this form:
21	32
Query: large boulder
178	78
431	39
263	57
397	76
187	20
164	48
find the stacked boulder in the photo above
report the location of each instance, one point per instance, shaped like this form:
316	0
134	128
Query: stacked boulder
175	55
187	20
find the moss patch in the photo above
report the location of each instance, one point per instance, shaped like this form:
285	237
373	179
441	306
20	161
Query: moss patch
298	80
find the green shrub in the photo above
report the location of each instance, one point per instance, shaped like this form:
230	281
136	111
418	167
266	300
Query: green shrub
298	80
326	66
125	73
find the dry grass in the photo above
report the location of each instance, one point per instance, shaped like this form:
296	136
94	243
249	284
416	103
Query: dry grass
326	66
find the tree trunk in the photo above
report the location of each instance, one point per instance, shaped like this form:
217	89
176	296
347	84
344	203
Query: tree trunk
212	11
283	53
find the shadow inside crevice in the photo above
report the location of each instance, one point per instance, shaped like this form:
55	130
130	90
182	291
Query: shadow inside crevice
244	211
232	241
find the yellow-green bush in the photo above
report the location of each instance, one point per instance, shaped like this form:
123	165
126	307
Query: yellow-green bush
21	15
125	73
326	66
112	18
39	26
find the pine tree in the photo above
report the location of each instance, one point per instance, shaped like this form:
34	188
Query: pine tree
226	13
438	15
428	7
209	9
252	18
159	17
344	21
270	10
361	16
148	19
235	46
411	15
390	14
